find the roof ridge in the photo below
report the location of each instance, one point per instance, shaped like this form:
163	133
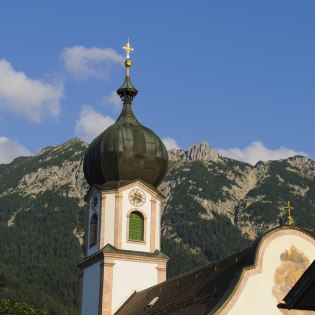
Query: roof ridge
197	269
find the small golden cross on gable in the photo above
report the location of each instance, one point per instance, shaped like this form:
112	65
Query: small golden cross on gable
290	219
128	49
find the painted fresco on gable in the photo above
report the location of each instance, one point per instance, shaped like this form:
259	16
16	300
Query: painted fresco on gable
293	265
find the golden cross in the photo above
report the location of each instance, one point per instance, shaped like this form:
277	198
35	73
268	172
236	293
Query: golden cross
290	219
128	49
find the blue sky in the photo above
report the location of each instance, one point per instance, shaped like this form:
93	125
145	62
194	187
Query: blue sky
239	75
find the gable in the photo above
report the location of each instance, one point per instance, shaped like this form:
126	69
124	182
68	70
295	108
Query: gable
281	257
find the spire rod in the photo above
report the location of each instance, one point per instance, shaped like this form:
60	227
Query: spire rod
128	49
127	92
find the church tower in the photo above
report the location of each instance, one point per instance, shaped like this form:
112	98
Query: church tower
124	166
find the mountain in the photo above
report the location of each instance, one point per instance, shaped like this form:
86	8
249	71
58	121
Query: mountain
42	218
214	206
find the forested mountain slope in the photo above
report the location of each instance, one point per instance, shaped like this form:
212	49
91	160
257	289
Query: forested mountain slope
214	206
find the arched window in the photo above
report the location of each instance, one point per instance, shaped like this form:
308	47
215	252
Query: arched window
93	230
136	226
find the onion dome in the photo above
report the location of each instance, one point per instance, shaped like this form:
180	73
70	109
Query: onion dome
126	151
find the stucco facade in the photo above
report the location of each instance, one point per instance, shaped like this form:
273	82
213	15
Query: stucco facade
117	266
90	289
281	258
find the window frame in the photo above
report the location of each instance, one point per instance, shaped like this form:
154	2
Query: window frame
144	227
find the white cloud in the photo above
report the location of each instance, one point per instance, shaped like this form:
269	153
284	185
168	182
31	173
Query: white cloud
91	123
170	143
84	62
257	151
113	100
27	97
9	150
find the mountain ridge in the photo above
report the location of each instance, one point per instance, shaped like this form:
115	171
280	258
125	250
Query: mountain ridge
214	206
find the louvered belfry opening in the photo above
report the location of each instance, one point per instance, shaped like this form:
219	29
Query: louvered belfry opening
136	226
93	230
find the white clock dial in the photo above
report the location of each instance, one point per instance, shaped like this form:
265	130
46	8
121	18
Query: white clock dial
137	197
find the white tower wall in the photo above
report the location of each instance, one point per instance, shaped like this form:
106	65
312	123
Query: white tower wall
129	277
117	266
90	290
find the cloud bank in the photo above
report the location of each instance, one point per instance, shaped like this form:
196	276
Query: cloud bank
113	100
91	123
9	150
83	63
170	143
30	98
257	151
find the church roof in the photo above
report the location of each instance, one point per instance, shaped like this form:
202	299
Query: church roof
302	295
196	292
110	249
207	289
113	250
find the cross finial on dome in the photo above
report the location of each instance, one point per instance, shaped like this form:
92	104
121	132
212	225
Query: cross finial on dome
127	92
289	207
128	49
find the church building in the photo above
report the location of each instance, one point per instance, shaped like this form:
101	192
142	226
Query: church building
124	272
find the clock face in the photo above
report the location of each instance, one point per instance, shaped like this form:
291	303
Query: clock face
137	197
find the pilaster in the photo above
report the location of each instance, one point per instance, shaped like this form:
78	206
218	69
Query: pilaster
106	287
153	225
161	268
102	221
118	219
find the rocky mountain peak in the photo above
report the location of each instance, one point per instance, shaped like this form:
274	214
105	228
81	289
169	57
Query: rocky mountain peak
202	151
74	141
199	151
43	151
302	165
70	144
176	155
300	160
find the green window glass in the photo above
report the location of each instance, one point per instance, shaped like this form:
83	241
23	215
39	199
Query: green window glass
136	226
